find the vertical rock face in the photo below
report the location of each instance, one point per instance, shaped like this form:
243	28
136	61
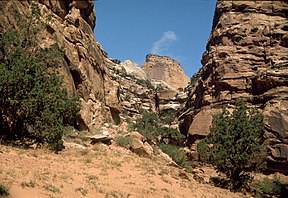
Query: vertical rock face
70	24
166	69
246	57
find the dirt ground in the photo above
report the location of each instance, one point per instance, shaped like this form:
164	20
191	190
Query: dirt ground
98	171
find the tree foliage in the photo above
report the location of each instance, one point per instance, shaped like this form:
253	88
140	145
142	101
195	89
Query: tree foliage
234	144
33	102
151	127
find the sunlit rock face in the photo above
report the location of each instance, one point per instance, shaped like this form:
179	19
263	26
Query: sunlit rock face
133	69
246	57
165	68
70	24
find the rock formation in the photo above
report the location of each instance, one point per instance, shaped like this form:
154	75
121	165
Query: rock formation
246	57
70	24
133	69
138	93
166	69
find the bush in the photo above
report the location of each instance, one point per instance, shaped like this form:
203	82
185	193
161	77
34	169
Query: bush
234	144
168	116
151	127
122	141
146	83
269	188
148	125
168	139
177	155
203	150
33	102
4	191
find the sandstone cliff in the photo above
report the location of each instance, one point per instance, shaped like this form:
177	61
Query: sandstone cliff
166	69
246	57
70	23
138	93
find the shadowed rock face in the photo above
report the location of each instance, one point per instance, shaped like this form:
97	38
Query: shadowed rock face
246	57
166	69
70	24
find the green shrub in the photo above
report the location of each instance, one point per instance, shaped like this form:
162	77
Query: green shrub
235	143
203	150
269	188
146	83
168	139
177	155
116	61
171	136
122	141
33	102
168	116
148	125
4	191
151	127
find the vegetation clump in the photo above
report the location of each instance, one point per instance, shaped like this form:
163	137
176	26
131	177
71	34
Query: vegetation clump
146	83
270	188
169	140
123	141
153	128
33	102
235	143
4	191
177	155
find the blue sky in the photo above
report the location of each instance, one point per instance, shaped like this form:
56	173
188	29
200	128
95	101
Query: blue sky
131	29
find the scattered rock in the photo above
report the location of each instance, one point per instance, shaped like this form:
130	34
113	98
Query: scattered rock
73	145
100	138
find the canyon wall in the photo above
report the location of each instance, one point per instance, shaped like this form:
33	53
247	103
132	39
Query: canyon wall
246	57
70	24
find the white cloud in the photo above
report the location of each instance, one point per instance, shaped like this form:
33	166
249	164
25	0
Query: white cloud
164	43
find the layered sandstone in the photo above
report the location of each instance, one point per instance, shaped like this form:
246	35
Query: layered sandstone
70	24
246	57
164	68
137	93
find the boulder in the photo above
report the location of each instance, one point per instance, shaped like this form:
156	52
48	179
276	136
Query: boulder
100	138
140	146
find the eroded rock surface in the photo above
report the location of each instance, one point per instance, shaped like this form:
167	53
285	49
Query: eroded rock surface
165	68
70	24
246	57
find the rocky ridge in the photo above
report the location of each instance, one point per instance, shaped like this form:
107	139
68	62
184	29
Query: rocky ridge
166	69
246	57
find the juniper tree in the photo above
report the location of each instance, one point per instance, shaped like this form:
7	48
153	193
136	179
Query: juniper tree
33	100
235	143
